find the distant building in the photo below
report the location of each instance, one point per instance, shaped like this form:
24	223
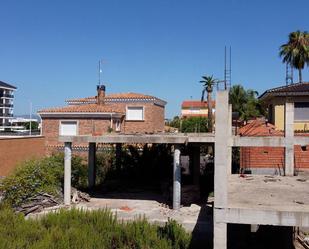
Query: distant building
6	104
270	160
275	99
195	108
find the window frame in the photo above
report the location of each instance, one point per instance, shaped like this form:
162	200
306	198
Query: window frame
68	120
137	120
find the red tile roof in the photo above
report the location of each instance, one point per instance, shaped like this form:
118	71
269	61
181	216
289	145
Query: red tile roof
114	96
196	103
81	108
259	128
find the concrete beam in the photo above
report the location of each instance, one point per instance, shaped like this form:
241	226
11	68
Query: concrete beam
289	135
239	141
262	217
67	172
179	138
176	178
91	165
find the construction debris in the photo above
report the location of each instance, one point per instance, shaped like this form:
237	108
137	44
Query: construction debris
43	200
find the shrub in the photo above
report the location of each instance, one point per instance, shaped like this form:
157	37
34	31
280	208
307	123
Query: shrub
87	229
41	175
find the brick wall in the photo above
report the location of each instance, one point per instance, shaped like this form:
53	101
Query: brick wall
153	122
15	150
271	157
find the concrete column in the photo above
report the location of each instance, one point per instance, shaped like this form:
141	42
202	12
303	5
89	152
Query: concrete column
223	141
176	178
220	236
67	172
289	138
196	164
229	132
118	156
222	149
91	165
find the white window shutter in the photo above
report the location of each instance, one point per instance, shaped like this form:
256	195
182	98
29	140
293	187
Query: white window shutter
68	128
135	113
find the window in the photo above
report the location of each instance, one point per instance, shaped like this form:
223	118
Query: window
68	128
118	128
301	111
135	113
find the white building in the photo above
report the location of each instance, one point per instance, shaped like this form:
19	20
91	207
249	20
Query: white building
6	104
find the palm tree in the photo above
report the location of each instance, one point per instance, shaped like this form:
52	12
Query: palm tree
296	51
208	83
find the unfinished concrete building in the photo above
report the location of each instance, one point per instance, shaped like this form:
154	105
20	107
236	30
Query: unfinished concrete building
253	200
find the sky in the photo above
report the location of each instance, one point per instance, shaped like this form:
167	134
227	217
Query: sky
50	49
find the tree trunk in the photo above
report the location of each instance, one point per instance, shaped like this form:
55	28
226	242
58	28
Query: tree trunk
209	104
300	76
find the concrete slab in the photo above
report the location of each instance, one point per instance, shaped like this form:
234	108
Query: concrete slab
275	193
154	211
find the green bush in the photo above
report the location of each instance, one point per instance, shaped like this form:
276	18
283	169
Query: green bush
87	229
41	175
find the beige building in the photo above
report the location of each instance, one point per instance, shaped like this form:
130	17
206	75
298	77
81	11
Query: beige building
195	108
276	98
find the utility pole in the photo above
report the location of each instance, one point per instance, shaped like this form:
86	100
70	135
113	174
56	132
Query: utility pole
30	118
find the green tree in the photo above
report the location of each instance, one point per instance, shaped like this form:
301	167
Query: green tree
34	125
175	122
296	51
195	124
208	84
245	102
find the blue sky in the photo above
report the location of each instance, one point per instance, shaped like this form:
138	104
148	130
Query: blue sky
50	49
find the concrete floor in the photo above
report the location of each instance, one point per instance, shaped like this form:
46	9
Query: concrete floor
129	206
269	192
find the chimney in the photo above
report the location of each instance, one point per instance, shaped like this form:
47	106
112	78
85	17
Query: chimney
101	94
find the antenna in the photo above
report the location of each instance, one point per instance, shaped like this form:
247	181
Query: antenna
100	70
288	74
227	69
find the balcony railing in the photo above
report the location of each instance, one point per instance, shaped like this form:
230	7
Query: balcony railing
6	115
6	105
7	95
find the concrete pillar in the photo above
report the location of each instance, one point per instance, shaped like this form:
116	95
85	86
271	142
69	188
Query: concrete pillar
220	236
222	149
176	178
230	133
91	165
196	164
67	172
289	138
223	141
118	156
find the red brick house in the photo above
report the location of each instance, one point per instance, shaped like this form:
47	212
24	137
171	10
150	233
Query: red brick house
269	159
124	113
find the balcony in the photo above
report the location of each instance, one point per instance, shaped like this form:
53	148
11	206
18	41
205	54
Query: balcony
5	115
6	105
7	95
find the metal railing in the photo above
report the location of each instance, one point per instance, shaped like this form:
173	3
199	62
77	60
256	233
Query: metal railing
7	95
6	105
